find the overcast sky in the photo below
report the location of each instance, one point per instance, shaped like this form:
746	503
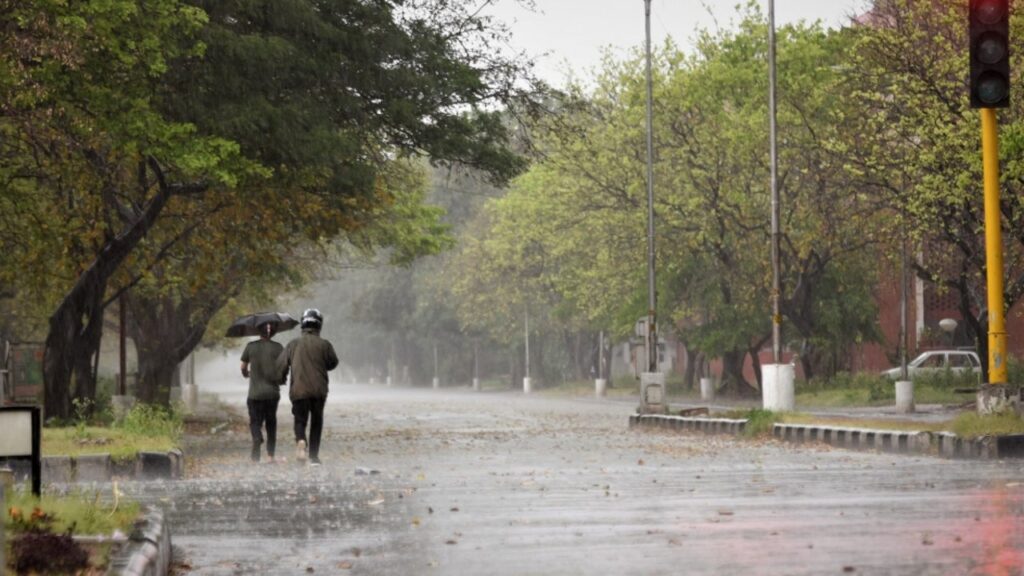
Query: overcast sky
573	32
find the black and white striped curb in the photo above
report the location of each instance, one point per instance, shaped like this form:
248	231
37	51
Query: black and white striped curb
709	425
944	444
148	550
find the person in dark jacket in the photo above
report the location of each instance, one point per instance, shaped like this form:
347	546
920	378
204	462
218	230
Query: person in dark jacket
308	358
259	365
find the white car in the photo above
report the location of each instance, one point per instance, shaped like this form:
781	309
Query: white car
937	361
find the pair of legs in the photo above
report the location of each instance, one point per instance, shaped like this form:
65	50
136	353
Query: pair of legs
309	410
263	412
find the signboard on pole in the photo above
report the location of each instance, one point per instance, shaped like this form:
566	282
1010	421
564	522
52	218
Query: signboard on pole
21	438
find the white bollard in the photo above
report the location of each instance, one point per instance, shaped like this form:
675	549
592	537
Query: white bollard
476	384
600	387
905	396
527	386
436	383
707	389
777	384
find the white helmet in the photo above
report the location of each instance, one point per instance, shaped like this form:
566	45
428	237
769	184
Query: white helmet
312	318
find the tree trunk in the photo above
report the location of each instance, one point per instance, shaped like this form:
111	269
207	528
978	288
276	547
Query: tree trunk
732	371
76	329
76	326
690	372
755	360
165	332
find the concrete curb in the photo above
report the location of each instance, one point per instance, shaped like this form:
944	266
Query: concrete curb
707	425
102	467
898	441
148	550
945	444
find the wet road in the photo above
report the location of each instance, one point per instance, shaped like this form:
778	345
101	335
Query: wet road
499	483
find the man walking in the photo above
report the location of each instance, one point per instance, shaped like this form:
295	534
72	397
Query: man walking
308	357
259	361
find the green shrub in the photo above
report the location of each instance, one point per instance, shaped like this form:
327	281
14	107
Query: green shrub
150	420
760	422
946	380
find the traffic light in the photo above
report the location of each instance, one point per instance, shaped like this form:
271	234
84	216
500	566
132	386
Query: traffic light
990	53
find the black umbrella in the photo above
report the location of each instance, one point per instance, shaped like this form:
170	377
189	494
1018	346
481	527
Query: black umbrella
249	324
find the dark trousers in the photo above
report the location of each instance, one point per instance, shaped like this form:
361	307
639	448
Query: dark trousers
263	412
312	410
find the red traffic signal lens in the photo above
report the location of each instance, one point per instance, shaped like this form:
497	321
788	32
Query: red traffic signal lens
992	88
990	11
991	48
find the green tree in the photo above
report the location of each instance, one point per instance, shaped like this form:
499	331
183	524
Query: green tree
917	148
572	229
132	117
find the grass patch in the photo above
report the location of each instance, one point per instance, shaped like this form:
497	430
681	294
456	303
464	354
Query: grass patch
864	389
120	444
877	423
83	512
144	429
38	531
972	425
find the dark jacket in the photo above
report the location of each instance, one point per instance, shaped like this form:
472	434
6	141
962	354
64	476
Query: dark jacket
308	357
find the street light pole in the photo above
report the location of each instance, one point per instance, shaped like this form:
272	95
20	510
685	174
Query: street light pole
776	378
773	137
652	324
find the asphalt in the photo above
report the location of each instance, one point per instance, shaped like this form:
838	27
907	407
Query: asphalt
456	482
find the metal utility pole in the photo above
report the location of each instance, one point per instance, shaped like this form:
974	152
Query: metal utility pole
122	385
526	337
903	310
652	297
997	373
776	234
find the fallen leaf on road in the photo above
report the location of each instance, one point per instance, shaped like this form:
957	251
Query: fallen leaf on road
415	521
725	512
345	565
454	510
640	462
450	542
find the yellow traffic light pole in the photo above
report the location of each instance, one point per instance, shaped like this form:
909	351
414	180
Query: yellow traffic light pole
993	248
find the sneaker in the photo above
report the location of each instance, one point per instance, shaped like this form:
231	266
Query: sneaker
254	455
314	461
300	450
